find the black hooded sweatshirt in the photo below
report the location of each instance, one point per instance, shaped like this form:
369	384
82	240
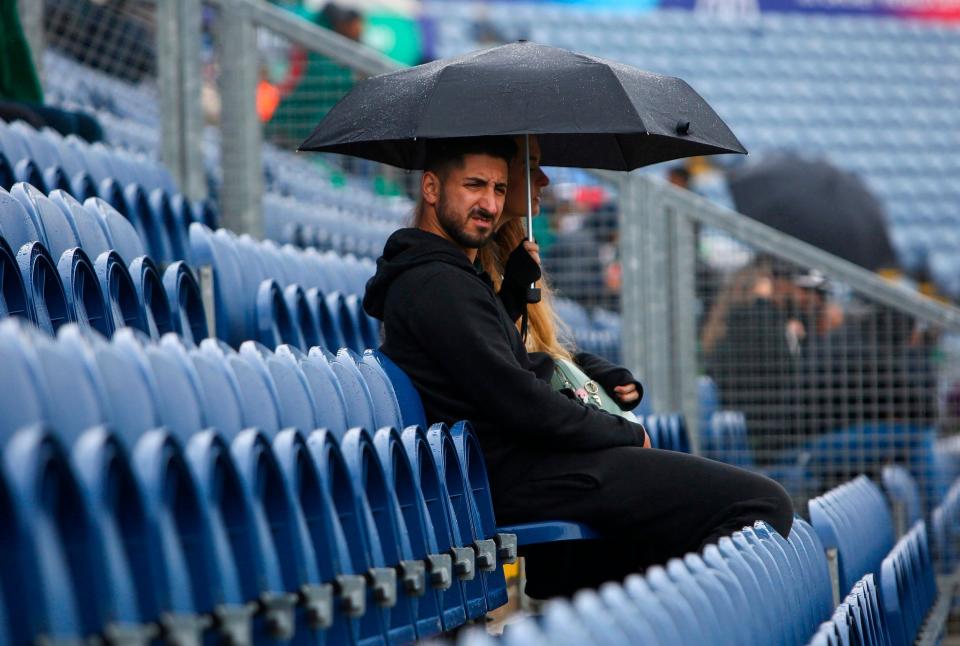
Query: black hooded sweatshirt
448	330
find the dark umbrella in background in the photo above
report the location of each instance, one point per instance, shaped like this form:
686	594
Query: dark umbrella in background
587	112
818	203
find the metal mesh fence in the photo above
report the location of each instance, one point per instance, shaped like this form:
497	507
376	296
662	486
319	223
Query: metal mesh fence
826	381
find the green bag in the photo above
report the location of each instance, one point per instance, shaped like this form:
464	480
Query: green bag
568	375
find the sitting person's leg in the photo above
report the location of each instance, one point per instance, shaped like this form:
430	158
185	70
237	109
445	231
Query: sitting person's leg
650	505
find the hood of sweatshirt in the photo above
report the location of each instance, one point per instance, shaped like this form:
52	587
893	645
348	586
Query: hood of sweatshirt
406	249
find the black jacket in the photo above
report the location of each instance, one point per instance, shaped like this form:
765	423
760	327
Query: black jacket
448	330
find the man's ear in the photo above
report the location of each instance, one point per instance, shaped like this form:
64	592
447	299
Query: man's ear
430	187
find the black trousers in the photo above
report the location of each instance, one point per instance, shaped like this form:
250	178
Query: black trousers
650	505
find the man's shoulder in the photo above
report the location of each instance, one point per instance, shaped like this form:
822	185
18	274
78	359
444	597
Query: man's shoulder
439	273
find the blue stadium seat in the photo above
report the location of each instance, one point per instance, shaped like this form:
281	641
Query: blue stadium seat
389	548
283	530
903	491
7	176
294	397
636	625
172	224
58	229
54	557
23	394
120	292
188	318
193	585
18	224
152	297
331	410
344	321
599	621
386	408
356	395
28	172
368	329
428	480
44	288
275	323
304	315
257	396
86	226
220	393
121	236
131	554
84	295
456	493
13	294
380	591
408	399
331	336
147	223
334	564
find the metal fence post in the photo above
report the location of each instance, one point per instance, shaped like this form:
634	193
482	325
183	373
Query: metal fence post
180	85
31	19
241	196
684	368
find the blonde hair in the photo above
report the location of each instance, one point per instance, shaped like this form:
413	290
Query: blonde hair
543	324
738	291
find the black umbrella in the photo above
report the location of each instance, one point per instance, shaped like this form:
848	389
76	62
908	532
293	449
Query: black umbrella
818	203
587	112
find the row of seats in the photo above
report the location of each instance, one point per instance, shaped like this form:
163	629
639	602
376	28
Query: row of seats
945	530
755	587
185	473
284	295
62	261
141	193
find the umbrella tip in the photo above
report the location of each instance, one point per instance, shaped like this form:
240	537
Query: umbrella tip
683	127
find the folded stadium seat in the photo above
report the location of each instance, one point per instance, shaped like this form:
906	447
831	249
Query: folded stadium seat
371	627
601	623
187	315
387	410
294	396
673	578
634	601
205	213
805	615
490	545
148	224
356	396
294	266
321	275
84	295
368	328
331	410
23	394
305	316
219	391
129	388
28	172
172	223
229	296
278	266
636	625
52	565
86	227
345	322
13	294
120	292
121	235
742	587
275	323
781	577
349	588
438	568
58	229
155	307
330	332
44	288
456	493
726	595
908	586
12	143
258	398
286	539
20	221
389	543
737	549
112	191
375	394
253	269
562	625
841	518
7	176
131	557
904	495
194	588
177	390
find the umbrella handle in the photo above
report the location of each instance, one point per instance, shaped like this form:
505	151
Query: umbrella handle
533	292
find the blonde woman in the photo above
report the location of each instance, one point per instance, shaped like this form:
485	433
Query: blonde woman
513	263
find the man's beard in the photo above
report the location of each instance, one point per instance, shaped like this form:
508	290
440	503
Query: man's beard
455	227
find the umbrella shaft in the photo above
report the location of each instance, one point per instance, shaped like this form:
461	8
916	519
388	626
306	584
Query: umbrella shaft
526	152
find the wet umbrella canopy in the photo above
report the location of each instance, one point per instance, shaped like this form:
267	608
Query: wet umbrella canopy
818	203
587	112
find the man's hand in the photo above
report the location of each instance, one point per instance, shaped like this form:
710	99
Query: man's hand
627	394
533	249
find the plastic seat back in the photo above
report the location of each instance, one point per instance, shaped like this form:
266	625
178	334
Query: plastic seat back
360	412
23	394
154	305
120	292
120	234
386	408
13	294
305	317
84	295
331	411
19	223
44	288
294	397
187	314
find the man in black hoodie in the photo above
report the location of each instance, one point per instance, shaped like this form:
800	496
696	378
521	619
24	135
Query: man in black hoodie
548	456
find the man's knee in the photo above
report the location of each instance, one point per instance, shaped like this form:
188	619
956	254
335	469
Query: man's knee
778	508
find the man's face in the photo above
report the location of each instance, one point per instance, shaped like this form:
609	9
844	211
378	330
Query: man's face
516	203
470	200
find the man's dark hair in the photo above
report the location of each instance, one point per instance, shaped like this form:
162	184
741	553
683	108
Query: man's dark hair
444	154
